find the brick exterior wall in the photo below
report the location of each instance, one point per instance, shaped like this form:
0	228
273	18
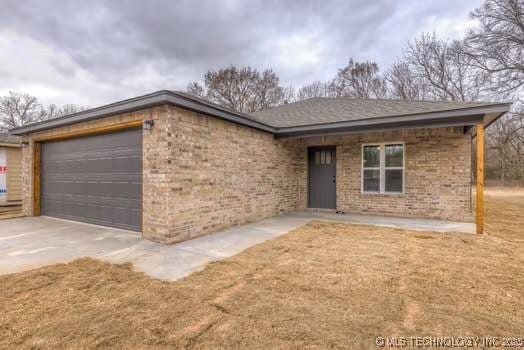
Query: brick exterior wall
202	174
437	170
223	174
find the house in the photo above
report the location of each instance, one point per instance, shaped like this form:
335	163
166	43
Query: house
10	169
173	166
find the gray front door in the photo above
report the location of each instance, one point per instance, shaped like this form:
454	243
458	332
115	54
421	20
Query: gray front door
322	187
94	179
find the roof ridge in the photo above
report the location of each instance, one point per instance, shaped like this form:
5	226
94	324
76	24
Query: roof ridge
403	100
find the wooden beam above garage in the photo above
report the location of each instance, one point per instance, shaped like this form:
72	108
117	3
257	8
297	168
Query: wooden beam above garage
90	131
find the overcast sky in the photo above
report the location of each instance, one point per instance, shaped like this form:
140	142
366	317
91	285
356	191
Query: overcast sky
95	52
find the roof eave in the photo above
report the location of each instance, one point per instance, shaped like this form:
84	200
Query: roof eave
462	117
172	98
139	103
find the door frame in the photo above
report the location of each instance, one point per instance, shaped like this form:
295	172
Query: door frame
321	147
37	153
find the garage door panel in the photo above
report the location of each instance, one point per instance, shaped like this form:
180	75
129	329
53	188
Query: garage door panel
93	177
98	190
108	216
84	210
95	164
136	217
96	179
122	214
73	199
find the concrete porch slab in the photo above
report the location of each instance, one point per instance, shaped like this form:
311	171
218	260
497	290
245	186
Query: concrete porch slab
395	222
29	243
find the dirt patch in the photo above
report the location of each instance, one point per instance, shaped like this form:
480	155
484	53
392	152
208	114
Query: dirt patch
322	286
410	318
505	217
229	292
505	192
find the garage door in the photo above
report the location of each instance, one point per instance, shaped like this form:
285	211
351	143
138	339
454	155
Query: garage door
95	179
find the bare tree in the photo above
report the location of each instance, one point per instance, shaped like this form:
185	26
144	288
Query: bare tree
404	84
266	91
70	109
360	80
496	47
18	109
54	111
316	89
243	89
196	89
505	148
445	68
288	94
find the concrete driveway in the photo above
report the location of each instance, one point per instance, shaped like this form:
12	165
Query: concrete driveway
28	243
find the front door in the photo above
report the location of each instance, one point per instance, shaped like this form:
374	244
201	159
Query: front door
322	184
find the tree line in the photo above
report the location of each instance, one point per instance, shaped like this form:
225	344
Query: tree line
488	64
17	109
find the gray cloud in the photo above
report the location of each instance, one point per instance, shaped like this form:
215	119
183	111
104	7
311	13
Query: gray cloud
92	52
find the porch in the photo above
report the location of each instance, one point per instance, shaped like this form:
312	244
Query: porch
415	224
422	173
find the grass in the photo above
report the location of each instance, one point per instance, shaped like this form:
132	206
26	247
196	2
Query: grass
325	285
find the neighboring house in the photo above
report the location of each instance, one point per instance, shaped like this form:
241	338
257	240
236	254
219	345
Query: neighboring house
173	166
10	168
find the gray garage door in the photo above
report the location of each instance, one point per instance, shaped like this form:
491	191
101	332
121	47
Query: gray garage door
95	179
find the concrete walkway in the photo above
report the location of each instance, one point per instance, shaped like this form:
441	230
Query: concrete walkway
28	243
401	223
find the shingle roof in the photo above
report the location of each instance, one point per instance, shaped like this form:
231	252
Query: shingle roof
317	114
316	111
146	101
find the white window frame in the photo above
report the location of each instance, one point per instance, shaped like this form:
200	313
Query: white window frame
382	167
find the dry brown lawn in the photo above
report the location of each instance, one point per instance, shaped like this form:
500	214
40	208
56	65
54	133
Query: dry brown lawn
325	285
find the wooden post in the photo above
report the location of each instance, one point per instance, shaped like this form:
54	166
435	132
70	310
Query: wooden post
480	178
37	157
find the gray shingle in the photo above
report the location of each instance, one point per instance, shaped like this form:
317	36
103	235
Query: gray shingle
317	112
330	110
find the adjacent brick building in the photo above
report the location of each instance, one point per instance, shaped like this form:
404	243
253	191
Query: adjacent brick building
201	168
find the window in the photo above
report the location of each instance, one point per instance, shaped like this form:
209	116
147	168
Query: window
323	157
371	169
383	168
